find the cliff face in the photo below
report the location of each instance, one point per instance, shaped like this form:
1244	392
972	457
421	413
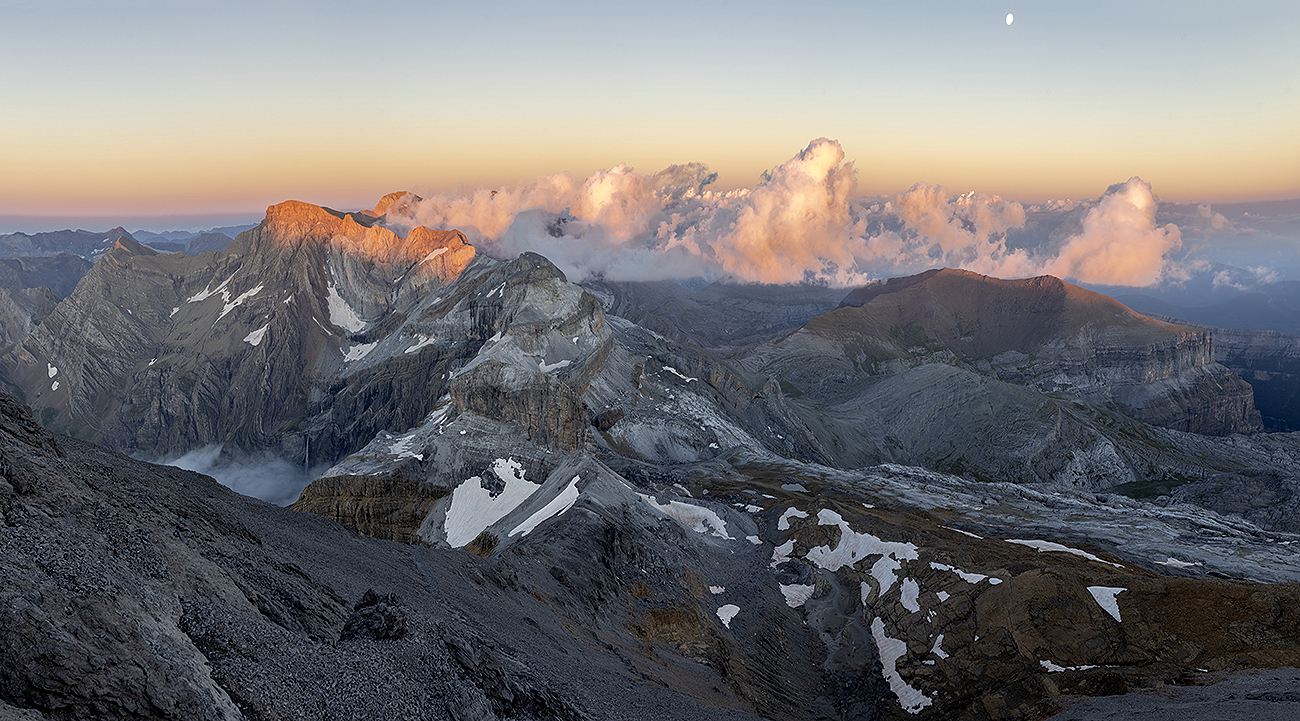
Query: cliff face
21	310
1040	332
1269	361
160	354
391	508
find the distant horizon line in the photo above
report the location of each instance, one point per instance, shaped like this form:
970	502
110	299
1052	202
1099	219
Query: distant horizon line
10	223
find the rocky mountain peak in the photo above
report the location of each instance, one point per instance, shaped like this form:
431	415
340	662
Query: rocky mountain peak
398	202
292	223
126	244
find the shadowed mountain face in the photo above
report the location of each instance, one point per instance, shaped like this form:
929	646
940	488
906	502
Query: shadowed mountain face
60	273
1041	333
83	243
601	513
721	317
162	354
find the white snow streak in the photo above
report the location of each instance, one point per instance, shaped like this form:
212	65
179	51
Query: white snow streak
1042	546
473	508
677	373
204	294
1105	596
796	594
727	612
357	352
233	304
937	648
854	546
910	595
1053	668
892	649
558	505
255	338
422	342
971	578
696	518
783	523
432	255
341	314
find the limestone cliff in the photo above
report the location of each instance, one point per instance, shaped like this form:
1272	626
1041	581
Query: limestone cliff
1269	361
1039	332
161	354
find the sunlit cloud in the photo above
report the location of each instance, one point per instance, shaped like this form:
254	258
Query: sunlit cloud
804	221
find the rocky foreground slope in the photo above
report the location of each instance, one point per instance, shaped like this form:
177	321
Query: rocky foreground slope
740	588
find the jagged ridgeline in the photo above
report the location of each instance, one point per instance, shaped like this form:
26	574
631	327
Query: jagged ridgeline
163	353
891	502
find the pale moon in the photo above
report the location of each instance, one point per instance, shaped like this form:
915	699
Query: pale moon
1010	18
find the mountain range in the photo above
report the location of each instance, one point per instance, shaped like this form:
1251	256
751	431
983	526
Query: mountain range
943	496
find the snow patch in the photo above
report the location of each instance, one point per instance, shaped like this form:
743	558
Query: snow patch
727	612
473	508
548	367
432	255
783	523
54	386
794	487
677	373
238	301
51	370
892	649
1042	546
782	553
342	314
175	310
754	540
558	505
358	351
715	590
402	448
964	533
796	594
943	596
255	338
1053	668
422	342
204	294
1177	563
1105	596
971	578
696	518
937	648
910	595
751	508
883	571
854	546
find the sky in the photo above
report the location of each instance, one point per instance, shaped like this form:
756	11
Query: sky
125	110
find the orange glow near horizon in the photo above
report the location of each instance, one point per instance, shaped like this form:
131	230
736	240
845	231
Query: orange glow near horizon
173	176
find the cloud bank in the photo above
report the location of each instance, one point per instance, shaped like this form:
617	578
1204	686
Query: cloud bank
267	477
802	222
